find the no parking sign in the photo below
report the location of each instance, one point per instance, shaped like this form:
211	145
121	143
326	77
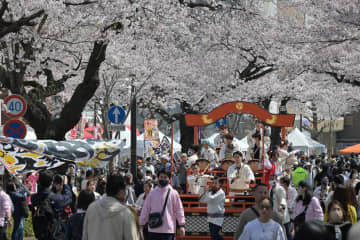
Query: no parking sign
14	128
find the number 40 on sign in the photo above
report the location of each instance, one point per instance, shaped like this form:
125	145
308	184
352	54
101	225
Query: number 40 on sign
16	106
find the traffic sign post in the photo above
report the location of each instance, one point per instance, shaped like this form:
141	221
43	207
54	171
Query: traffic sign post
14	128
116	115
16	106
118	127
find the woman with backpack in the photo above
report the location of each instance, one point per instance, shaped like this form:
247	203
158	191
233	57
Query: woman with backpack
20	211
307	207
74	226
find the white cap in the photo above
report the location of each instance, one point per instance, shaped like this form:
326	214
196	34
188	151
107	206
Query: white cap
164	156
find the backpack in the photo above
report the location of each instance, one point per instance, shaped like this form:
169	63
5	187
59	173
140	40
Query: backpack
47	224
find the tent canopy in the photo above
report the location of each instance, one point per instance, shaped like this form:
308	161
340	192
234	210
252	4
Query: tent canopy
351	149
125	136
304	143
243	142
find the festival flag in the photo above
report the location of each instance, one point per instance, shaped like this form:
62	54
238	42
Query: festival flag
20	156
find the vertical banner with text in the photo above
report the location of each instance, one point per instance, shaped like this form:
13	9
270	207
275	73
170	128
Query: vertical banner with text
151	138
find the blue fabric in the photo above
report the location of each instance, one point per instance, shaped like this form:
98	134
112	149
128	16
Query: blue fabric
16	198
215	232
287	228
60	200
74	227
18	231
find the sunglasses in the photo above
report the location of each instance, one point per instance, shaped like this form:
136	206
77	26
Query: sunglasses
267	207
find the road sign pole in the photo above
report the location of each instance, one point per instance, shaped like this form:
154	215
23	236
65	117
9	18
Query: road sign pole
133	139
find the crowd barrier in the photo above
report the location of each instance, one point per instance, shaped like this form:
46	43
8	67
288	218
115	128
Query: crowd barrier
196	225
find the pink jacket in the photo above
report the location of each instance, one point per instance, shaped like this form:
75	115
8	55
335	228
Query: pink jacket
5	207
314	211
174	211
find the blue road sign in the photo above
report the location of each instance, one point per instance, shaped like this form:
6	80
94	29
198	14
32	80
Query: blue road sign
14	128
116	115
221	122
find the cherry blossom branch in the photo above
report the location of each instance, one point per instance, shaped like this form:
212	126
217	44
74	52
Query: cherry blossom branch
198	5
11	27
4	7
86	2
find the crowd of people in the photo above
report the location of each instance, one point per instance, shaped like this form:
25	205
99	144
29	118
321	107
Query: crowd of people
297	197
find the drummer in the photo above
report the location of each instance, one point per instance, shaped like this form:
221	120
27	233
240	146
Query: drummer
239	175
197	181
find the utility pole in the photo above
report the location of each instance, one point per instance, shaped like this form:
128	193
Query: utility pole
95	130
133	136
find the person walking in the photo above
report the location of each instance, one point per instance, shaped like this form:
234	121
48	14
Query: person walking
307	207
21	210
263	227
260	192
215	200
109	218
5	213
49	206
170	212
74	227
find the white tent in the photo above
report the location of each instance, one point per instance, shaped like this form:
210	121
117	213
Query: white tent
126	136
243	142
304	143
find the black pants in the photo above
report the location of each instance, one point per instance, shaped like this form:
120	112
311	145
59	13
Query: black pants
161	236
3	233
215	232
183	188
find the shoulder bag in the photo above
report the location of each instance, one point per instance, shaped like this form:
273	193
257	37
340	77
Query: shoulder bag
155	218
299	220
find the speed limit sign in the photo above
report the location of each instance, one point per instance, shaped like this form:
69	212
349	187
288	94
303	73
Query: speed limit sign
16	106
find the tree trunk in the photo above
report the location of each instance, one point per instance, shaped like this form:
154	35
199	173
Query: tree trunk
187	135
314	132
186	132
41	120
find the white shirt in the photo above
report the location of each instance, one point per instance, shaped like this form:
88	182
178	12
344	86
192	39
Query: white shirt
210	155
140	201
84	184
291	196
279	199
321	193
215	204
149	168
97	195
245	175
256	230
329	198
223	149
197	183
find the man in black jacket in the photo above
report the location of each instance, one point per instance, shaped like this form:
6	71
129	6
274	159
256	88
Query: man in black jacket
48	205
